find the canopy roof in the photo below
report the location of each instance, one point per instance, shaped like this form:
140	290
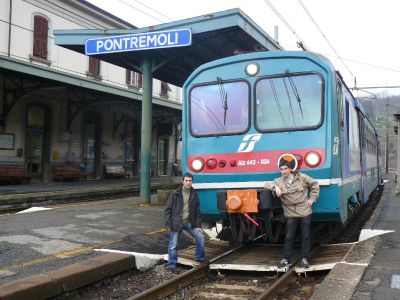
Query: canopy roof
214	36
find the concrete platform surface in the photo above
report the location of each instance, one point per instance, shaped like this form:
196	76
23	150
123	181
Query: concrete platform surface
370	270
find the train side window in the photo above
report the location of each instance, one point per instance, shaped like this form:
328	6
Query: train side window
339	94
347	120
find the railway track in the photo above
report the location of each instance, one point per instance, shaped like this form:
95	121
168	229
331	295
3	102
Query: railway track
182	280
237	285
209	281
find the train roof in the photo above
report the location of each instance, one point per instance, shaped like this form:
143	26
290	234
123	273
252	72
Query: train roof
315	57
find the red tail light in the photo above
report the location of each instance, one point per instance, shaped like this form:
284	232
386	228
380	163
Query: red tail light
222	163
211	164
299	160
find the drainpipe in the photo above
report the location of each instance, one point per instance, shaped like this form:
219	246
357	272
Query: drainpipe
9	30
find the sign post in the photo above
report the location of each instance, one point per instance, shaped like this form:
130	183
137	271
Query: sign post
139	42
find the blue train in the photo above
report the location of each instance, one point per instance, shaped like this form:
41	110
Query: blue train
244	113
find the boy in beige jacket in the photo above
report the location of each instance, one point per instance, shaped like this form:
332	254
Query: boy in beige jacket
293	190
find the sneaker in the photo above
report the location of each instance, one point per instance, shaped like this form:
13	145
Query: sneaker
304	263
284	263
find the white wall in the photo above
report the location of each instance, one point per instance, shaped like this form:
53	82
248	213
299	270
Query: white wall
61	15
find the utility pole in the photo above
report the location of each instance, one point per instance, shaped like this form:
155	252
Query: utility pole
398	153
387	137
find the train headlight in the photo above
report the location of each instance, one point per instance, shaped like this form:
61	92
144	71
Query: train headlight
197	164
312	159
252	69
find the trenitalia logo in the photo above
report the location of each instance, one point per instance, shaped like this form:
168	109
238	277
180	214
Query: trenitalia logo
248	142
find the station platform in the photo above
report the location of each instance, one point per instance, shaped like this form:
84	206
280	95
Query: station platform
372	268
21	196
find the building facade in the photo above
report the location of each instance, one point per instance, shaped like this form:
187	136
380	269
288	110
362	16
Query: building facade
60	107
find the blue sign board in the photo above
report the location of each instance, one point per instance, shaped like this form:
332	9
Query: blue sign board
140	41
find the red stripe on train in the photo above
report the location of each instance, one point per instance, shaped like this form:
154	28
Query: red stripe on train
248	162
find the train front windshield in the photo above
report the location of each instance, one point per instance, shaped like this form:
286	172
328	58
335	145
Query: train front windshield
289	102
282	103
219	109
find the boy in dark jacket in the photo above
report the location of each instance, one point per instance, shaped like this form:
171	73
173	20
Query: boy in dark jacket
182	212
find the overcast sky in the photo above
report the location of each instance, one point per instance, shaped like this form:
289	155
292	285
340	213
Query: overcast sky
364	33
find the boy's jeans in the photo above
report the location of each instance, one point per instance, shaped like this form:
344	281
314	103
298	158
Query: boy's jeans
173	244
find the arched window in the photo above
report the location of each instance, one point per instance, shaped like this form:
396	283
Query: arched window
40	34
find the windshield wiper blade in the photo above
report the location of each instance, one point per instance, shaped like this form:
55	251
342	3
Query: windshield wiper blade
224	96
296	92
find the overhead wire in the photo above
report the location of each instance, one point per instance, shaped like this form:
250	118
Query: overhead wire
300	40
324	36
142	11
148	7
364	63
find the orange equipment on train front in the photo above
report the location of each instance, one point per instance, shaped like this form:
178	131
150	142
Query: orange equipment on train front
242	201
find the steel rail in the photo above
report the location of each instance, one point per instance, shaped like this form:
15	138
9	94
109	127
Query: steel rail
272	291
170	286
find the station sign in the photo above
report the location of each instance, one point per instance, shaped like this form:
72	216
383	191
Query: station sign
140	41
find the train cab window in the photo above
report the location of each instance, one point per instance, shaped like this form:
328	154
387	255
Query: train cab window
289	102
219	109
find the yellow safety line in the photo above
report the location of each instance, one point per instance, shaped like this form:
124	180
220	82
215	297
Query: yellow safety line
60	255
156	231
71	253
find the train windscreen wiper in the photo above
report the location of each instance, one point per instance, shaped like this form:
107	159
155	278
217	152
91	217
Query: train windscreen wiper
224	96
295	91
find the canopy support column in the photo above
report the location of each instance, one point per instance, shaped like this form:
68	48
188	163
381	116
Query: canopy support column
145	150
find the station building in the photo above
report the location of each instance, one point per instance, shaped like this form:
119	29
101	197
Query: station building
60	107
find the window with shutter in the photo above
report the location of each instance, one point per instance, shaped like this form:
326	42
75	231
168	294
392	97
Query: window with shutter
164	89
128	77
40	34
134	79
94	66
139	80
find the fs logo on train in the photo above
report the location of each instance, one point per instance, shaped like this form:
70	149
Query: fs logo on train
248	142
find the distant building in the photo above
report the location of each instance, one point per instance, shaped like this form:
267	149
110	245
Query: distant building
60	107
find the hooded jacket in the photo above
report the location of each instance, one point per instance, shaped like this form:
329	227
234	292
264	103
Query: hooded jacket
174	208
295	195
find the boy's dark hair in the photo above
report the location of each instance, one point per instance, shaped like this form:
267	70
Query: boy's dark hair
286	163
187	174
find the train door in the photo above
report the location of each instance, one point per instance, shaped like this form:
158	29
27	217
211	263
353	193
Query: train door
342	146
347	139
363	158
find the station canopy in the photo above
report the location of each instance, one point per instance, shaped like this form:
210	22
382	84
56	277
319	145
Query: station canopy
214	36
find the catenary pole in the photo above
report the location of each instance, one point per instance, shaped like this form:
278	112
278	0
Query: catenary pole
398	154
